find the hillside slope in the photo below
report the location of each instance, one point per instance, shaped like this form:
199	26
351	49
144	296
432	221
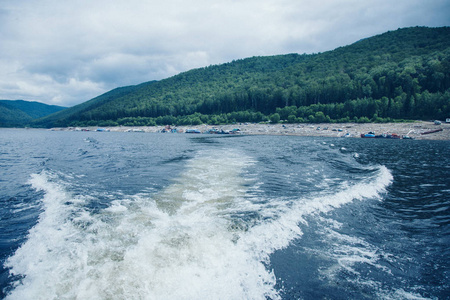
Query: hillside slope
398	74
18	113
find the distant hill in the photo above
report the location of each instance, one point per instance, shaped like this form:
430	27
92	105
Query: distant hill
399	74
19	113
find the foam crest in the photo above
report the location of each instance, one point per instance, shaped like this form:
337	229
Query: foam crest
49	238
280	231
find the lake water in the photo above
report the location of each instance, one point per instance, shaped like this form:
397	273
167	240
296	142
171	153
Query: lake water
90	215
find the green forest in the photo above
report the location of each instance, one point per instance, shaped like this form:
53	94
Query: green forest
20	113
399	75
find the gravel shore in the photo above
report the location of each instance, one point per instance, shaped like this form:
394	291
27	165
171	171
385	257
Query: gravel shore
413	130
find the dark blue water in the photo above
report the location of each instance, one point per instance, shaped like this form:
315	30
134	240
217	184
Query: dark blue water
90	215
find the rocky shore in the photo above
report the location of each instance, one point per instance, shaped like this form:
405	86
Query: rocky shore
414	130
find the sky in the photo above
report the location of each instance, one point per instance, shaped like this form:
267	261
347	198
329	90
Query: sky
67	52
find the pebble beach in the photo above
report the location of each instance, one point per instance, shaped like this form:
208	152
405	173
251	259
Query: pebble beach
416	130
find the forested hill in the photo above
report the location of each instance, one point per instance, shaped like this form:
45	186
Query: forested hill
18	113
402	74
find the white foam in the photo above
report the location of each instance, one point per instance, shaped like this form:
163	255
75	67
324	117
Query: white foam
178	244
280	232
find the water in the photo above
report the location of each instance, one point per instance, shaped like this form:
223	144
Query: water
89	215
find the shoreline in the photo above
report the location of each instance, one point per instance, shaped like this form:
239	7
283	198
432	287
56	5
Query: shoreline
413	130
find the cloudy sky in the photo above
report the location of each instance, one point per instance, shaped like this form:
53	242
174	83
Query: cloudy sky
67	52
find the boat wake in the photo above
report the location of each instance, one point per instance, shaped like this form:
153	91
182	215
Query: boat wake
206	235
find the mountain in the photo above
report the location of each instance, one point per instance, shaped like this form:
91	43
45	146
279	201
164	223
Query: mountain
399	74
19	113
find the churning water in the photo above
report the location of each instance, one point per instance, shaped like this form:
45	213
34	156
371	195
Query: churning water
87	215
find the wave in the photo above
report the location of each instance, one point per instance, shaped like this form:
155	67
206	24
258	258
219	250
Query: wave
201	237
